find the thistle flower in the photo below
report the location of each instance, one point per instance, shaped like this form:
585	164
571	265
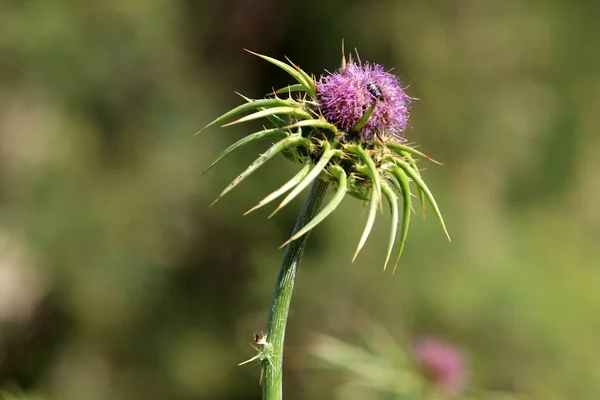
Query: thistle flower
443	363
347	128
346	94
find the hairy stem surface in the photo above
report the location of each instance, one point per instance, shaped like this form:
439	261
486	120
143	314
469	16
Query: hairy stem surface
272	384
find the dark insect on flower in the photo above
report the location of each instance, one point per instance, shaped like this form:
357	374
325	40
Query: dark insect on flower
335	130
375	90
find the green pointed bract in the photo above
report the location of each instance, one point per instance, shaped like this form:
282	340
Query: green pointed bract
252	105
298	87
393	202
309	80
339	173
392	179
293	111
413	164
272	152
274	119
328	153
314	123
284	188
373	204
406	151
372	171
255	137
421	184
400	149
309	85
364	119
375	195
405	191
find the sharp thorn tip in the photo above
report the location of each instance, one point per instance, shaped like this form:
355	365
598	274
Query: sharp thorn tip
274	212
201	130
447	235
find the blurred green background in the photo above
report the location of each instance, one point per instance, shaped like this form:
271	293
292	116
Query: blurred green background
117	281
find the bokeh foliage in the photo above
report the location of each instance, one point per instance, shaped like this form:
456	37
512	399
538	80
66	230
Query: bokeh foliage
118	281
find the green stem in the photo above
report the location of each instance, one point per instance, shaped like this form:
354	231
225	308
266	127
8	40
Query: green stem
272	384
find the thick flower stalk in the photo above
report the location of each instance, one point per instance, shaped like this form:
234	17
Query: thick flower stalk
345	130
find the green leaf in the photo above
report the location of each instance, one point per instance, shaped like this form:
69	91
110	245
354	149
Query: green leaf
284	188
329	208
272	152
255	137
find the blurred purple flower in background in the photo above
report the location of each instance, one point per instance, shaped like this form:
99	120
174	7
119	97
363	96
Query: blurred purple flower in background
443	363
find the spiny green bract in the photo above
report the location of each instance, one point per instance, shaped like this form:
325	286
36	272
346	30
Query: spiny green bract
364	160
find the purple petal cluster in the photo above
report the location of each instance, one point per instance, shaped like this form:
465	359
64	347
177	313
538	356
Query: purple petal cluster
443	363
348	93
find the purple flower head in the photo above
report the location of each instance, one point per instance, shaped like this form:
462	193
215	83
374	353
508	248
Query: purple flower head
348	93
443	363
